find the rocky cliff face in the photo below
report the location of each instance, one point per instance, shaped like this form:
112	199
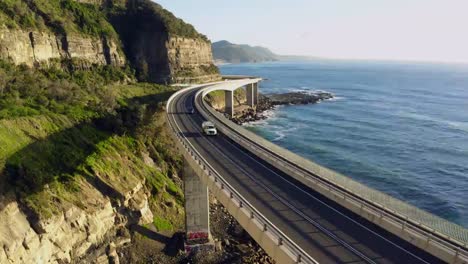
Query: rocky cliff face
190	60
158	45
164	49
42	48
68	236
162	59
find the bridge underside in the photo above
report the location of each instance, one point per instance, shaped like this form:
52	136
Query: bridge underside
251	92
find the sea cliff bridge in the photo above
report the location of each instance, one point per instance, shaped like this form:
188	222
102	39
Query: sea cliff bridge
298	211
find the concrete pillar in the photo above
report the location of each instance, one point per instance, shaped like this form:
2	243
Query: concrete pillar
249	92
197	212
229	101
255	93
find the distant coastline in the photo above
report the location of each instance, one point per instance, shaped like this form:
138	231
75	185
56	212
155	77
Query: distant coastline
226	52
221	62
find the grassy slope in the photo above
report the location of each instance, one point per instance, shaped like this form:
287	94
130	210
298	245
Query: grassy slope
49	158
60	130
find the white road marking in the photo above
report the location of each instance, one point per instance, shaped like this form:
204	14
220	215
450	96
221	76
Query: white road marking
315	198
305	192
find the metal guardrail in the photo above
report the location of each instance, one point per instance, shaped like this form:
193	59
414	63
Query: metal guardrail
300	255
410	219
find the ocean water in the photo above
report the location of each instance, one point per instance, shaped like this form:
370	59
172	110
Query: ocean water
401	128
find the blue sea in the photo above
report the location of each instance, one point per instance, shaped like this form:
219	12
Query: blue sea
401	128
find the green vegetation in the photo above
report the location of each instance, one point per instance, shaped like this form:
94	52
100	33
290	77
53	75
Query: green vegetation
61	132
16	13
162	224
175	25
216	98
144	12
79	94
194	72
66	130
59	16
210	69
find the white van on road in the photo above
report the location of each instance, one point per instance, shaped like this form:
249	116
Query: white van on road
209	128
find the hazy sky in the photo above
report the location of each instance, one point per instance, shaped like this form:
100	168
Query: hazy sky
434	30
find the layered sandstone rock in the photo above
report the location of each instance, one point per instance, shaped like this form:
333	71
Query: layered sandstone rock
69	235
191	60
40	48
162	59
53	240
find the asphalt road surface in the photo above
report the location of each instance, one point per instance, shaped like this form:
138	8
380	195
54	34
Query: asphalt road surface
325	230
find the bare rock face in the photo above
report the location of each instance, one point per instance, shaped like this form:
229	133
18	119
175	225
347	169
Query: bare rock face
162	59
70	235
191	60
137	201
40	48
159	55
61	237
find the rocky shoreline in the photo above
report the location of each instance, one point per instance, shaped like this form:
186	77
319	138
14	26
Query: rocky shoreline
271	101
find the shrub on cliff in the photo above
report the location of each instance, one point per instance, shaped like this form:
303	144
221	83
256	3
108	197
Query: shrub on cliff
44	155
83	93
153	14
59	16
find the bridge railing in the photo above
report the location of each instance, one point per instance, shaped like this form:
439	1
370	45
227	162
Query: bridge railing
437	236
196	159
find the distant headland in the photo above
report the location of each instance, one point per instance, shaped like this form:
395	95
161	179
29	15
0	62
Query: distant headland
227	52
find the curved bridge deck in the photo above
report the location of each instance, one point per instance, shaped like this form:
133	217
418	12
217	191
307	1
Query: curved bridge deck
322	228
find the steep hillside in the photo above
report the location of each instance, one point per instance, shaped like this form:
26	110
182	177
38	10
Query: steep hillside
86	33
86	164
225	51
164	48
81	160
45	32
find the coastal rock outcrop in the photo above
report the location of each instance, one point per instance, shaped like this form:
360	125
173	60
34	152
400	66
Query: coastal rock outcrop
244	114
294	98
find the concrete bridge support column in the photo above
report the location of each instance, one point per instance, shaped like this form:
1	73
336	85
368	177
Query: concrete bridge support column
197	212
255	93
229	101
249	92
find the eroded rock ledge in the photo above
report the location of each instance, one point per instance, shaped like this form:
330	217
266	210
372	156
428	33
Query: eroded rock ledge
72	234
270	101
42	48
294	98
